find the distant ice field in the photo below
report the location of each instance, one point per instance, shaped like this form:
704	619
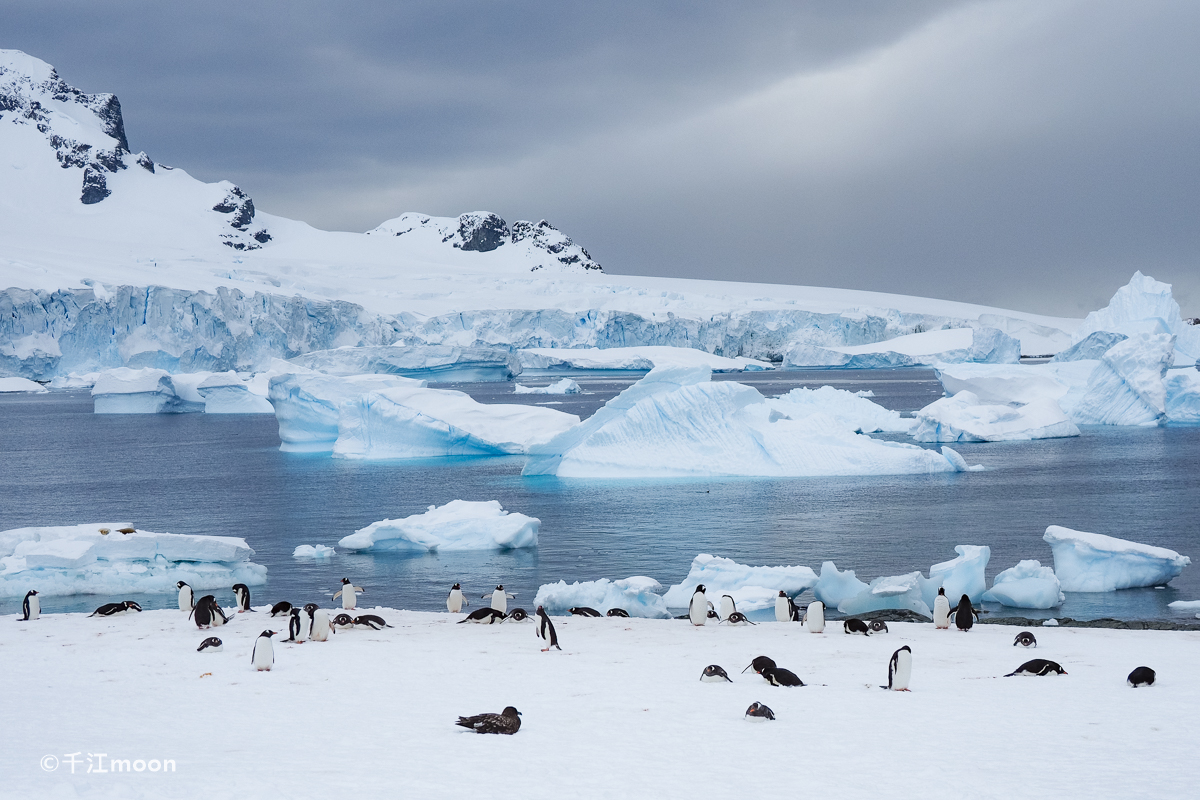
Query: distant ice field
199	473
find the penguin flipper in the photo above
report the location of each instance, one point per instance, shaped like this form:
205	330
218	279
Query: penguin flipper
337	594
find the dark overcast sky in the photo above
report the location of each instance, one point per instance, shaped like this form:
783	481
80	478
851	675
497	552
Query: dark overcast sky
1023	154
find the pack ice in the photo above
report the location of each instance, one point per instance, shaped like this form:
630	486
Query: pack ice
458	525
752	588
677	422
961	575
637	595
82	559
1093	562
565	386
1027	585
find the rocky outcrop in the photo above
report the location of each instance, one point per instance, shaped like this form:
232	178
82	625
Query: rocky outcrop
549	238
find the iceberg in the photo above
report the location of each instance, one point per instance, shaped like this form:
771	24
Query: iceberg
458	525
1004	384
1183	396
313	551
1090	348
953	345
21	385
964	418
308	406
836	586
636	595
642	358
565	386
429	423
1144	306
961	575
1027	585
1127	387
75	380
892	592
1093	562
1187	606
850	410
752	588
144	391
228	393
97	558
441	363
676	422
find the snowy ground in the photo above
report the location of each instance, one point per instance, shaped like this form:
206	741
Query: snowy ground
619	713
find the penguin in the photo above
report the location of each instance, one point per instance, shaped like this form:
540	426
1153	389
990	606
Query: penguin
1025	639
617	612
202	614
263	654
242	594
814	617
737	618
714	674
727	607
584	611
712	614
500	598
111	609
320	624
1038	666
757	712
217	613
297	629
545	630
485	616
187	598
517	615
965	615
778	676
282	607
941	610
455	600
349	594
698	607
506	722
759	664
856	626
342	621
372	621
783	607
878	626
31	607
211	645
1142	676
900	670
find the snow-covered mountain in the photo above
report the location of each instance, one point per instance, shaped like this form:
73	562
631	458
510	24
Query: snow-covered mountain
109	259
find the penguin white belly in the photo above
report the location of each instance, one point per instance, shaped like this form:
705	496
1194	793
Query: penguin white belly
185	600
320	626
698	611
783	611
816	617
727	606
302	635
454	602
35	607
264	655
941	612
902	672
349	598
500	601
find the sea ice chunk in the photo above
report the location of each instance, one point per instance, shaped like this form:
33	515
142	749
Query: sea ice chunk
565	386
228	393
68	553
75	380
853	411
21	385
313	551
1183	396
1027	585
893	591
1090	348
1093	562
308	406
1184	605
961	575
1127	387
632	594
752	588
963	418
140	391
434	362
1002	384
836	586
458	525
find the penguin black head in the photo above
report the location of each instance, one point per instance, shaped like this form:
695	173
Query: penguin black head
782	593
455	586
965	600
700	587
760	663
268	634
942	591
499	587
132	605
181	584
32	592
345	581
311	608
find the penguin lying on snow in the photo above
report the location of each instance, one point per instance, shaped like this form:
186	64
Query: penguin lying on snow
737	618
111	609
506	722
1025	639
211	645
757	712
517	615
485	616
31	607
759	664
878	626
282	607
584	611
1142	676
545	630
371	621
778	676
617	612
342	621
856	626
714	674
1038	666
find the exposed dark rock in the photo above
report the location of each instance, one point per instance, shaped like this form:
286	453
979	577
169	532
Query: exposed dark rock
549	238
889	615
145	162
262	237
239	204
481	232
1103	622
95	188
111	160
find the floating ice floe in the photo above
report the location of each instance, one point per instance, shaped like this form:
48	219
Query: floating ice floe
229	393
953	345
1093	562
146	391
636	595
677	422
1027	585
83	559
313	551
961	575
1144	306
458	525
964	418
438	363
640	358
752	588
565	386
1187	606
21	385
308	405
1127	387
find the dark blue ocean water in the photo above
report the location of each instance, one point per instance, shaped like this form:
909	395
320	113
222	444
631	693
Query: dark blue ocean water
194	473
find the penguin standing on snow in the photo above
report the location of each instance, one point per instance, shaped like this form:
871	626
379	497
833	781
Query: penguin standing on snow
263	654
727	607
455	600
900	670
320	623
965	615
814	617
297	629
500	598
31	607
349	594
698	608
783	607
187	598
545	630
242	593
941	610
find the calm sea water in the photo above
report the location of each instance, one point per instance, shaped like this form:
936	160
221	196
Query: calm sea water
193	473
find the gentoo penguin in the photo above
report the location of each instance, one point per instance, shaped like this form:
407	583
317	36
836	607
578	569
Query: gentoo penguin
584	611
485	616
757	712
1025	639
110	609
878	626
941	610
211	645
785	607
320	623
814	617
263	654
759	664
778	676
900	670
545	630
371	621
297	626
455	600
714	674
737	618
187	598
349	594
698	607
712	614
31	607
342	621
282	607
500	598
965	615
1038	666
727	607
856	626
507	722
517	615
242	594
617	612
207	613
217	613
1142	676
